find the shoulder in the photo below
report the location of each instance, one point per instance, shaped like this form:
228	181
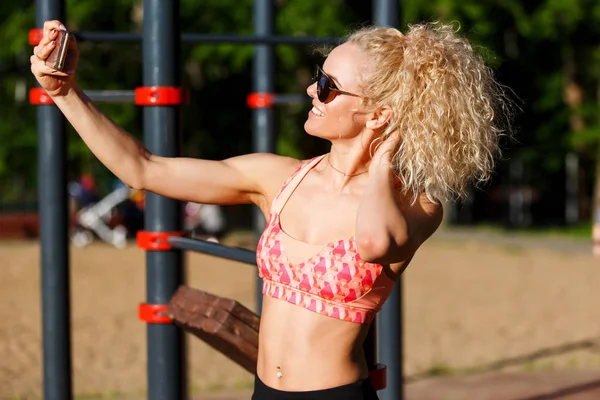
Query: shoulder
268	171
264	165
281	172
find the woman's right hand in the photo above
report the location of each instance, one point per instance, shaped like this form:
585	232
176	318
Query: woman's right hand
56	83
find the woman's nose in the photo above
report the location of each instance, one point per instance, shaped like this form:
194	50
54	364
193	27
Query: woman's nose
312	90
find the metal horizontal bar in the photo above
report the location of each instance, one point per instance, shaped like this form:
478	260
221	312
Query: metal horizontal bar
111	96
108	37
208	38
291	98
128	96
214	249
254	39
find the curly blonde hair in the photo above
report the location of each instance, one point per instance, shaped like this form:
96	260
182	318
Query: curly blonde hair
447	108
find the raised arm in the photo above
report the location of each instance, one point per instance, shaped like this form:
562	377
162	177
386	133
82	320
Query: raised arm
245	179
390	227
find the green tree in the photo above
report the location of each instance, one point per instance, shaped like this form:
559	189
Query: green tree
547	52
103	66
216	122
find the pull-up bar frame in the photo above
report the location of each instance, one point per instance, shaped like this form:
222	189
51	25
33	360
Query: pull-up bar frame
161	45
129	37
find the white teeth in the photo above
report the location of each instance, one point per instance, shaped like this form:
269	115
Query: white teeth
317	112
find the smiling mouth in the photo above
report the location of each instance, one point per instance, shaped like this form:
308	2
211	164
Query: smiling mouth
317	112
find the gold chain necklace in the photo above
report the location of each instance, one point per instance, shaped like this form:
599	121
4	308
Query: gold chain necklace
342	172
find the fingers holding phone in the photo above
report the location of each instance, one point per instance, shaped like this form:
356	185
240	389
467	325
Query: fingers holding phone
54	59
58	54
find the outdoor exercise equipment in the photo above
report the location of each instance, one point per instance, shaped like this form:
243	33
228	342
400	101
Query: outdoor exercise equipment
161	97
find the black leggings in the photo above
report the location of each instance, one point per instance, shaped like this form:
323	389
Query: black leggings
361	390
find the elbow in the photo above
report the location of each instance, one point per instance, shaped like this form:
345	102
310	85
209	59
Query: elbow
140	179
379	249
136	185
373	248
134	180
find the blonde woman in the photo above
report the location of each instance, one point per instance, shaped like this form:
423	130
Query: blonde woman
412	120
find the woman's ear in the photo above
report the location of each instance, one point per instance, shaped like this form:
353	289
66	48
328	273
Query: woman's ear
379	118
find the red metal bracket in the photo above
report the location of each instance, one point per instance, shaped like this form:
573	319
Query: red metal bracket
378	376
38	96
260	100
153	313
35	36
155	240
160	96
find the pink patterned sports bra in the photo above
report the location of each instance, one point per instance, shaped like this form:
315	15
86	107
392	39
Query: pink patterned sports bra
334	281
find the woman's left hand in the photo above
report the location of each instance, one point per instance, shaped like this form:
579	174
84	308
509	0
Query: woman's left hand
382	159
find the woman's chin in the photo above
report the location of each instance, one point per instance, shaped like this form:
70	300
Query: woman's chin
310	128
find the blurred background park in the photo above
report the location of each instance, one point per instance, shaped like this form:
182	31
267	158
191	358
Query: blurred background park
509	283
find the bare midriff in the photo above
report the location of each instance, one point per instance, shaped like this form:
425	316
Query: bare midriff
301	350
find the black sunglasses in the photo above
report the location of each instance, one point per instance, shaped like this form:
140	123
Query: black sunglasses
326	88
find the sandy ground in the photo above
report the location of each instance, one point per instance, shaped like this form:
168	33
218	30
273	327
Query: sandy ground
470	305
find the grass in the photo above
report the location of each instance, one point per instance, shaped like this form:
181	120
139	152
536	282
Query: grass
578	231
582	231
533	366
440	370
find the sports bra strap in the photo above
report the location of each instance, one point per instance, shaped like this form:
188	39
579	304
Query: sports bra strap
290	185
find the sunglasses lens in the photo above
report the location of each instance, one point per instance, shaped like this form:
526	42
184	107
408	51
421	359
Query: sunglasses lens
323	85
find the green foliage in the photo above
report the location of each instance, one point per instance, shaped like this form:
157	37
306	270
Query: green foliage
533	45
529	44
17	135
217	75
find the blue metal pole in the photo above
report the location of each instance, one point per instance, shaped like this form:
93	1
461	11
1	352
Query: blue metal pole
53	211
389	320
262	118
386	12
164	269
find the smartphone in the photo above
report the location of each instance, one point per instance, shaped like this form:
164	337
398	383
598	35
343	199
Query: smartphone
58	57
